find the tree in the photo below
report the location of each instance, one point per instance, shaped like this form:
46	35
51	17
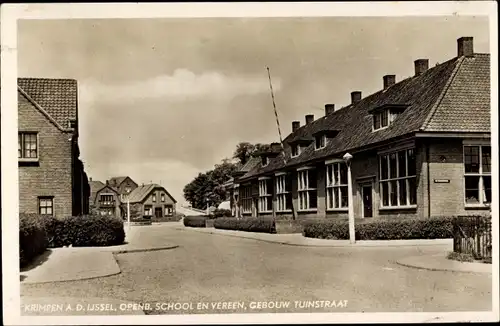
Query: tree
244	151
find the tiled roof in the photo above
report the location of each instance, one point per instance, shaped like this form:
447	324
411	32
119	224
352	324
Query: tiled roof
250	164
435	92
95	186
466	104
141	192
117	181
58	97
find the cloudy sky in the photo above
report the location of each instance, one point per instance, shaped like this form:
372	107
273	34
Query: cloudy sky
164	99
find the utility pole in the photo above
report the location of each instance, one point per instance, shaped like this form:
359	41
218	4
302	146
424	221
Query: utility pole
294	212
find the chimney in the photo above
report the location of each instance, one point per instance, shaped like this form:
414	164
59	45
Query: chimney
355	97
421	66
329	108
389	80
465	46
295	125
309	118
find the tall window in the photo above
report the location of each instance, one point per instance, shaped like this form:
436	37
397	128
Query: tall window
169	210
336	186
295	150
380	119
27	146
106	199
246	199
307	182
148	210
477	164
398	180
320	142
154	198
163	197
283	192
265	196
45	206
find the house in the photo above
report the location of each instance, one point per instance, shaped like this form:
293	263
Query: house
52	180
123	185
104	199
420	147
151	200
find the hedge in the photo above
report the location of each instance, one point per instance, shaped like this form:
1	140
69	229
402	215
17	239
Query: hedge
195	221
382	229
32	238
84	231
263	225
220	212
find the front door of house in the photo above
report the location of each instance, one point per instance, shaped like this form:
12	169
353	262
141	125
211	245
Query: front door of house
367	201
158	212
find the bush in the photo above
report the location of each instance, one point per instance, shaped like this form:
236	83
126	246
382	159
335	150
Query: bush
382	229
289	226
460	257
222	213
84	231
32	238
263	225
195	221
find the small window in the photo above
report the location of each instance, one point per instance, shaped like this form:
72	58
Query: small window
127	190
163	197
46	206
169	210
295	150
265	160
148	210
320	142
154	198
27	145
381	120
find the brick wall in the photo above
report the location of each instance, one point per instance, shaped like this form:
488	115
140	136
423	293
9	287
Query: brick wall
52	175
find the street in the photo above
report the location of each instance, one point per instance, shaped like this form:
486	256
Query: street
227	274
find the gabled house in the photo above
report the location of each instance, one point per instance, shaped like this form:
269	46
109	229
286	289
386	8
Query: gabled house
123	185
420	147
148	201
104	199
52	180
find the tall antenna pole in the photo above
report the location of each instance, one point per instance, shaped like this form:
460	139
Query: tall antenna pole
294	214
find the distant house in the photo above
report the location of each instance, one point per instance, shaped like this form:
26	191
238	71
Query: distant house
151	200
104	199
123	185
420	147
52	180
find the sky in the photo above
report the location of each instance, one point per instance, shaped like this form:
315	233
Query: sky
161	100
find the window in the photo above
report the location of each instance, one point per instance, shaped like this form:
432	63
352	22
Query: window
265	196
320	142
283	192
246	199
27	145
154	198
163	197
46	205
308	197
108	211
336	186
169	210
398	187
295	150
477	167
265	160
127	190
106	199
380	120
148	210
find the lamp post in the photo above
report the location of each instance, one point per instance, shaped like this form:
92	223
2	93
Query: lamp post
352	233
128	212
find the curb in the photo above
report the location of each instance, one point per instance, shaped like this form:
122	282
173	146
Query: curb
440	269
126	251
347	245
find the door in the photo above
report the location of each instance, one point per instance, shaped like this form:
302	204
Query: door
367	201
158	212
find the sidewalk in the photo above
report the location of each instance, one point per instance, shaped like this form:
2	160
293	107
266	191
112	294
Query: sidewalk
80	263
441	263
298	239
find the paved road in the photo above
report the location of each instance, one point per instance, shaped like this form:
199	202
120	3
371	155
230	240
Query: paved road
213	268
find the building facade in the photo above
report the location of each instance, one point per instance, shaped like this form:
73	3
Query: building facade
104	200
420	147
52	180
150	201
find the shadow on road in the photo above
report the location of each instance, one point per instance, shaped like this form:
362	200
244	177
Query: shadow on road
37	261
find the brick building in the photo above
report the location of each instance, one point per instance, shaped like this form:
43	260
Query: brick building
52	180
107	198
151	200
420	147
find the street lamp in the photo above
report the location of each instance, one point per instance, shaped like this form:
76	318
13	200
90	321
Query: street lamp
352	233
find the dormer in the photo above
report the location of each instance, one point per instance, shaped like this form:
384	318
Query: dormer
385	115
298	143
273	150
321	138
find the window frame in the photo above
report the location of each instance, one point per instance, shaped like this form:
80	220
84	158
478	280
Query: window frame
282	193
165	210
246	199
379	116
264	161
148	208
336	187
322	141
480	174
103	202
20	137
46	198
296	146
265	195
304	190
389	180
162	197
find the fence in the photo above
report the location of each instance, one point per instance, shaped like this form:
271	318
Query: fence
472	235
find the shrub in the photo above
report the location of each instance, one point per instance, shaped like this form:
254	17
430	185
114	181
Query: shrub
460	257
83	231
289	226
222	213
32	238
382	229
263	225
195	221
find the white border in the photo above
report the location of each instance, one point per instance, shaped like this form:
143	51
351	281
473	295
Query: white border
11	12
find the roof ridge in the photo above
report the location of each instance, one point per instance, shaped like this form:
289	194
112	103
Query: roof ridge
48	78
442	94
